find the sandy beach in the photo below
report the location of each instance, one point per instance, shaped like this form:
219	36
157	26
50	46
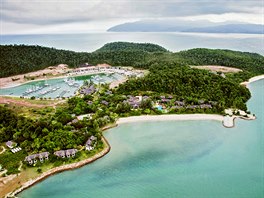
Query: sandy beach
253	79
170	117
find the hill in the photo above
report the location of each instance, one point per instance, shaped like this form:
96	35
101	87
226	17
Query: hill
20	59
126	46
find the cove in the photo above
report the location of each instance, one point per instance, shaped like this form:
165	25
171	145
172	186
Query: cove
172	159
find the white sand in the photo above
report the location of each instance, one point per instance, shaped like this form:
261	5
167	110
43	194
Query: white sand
170	117
253	79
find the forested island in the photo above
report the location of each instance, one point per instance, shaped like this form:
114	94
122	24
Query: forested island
170	87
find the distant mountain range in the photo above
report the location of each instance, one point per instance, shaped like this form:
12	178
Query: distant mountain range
187	26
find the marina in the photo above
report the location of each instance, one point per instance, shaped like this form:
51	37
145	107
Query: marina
60	87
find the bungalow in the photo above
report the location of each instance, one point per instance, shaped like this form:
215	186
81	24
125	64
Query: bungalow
11	144
69	153
43	156
32	159
91	143
60	153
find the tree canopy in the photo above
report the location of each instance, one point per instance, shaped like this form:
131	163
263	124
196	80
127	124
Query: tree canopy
20	59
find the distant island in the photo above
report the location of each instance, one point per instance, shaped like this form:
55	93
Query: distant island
40	136
187	26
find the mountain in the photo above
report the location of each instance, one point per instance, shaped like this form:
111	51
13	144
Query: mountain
187	26
230	28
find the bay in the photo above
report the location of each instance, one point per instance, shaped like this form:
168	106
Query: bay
172	159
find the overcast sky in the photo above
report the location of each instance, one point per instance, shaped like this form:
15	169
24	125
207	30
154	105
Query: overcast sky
82	16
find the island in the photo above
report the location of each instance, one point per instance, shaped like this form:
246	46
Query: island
43	136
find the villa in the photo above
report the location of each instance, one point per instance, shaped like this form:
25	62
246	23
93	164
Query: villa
11	144
68	153
32	159
91	143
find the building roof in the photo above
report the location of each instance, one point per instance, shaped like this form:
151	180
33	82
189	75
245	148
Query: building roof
59	153
10	144
90	140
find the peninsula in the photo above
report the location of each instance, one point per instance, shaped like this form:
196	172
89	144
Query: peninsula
51	135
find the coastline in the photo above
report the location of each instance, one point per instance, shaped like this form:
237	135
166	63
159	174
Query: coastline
253	79
168	117
61	169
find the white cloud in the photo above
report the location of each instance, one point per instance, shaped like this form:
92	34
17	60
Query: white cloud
238	17
67	16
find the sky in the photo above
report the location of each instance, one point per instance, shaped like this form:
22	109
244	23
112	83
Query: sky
83	16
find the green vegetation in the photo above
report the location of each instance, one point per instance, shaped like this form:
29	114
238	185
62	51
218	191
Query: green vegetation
18	59
190	84
250	62
11	161
125	46
170	87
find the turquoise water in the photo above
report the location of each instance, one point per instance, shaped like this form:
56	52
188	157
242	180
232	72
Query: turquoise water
64	90
172	159
170	40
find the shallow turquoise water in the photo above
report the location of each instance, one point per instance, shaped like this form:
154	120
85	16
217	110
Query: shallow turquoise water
172	159
64	89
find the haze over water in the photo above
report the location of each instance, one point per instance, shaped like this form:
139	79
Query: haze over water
172	159
172	41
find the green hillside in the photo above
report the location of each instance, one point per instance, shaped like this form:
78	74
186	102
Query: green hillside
126	46
19	59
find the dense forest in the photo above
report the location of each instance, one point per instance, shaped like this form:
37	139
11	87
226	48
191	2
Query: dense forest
19	59
126	46
189	84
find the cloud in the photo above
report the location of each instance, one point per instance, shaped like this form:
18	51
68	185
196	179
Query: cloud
48	13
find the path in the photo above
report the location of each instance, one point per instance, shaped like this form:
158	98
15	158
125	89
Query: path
3	150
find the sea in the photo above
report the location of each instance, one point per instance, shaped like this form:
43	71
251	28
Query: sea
172	41
185	159
177	159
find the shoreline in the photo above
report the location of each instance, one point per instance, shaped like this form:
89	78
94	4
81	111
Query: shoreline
132	119
253	79
170	117
62	168
167	117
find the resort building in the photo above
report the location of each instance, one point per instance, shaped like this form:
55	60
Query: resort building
32	159
66	153
135	102
91	143
11	144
